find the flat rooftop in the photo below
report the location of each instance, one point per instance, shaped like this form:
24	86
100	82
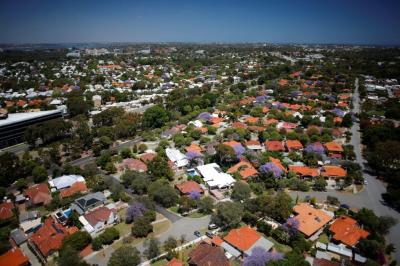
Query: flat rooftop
20	117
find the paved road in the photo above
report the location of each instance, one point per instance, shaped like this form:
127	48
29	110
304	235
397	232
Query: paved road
371	196
19	148
167	214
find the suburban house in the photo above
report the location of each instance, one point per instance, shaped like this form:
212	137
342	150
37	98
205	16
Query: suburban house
274	145
304	171
175	262
244	169
99	218
332	171
88	202
311	220
14	257
6	210
132	164
241	242
48	238
215	177
294	145
148	157
65	181
187	187
77	187
334	149
178	158
254	145
205	254
38	194
346	230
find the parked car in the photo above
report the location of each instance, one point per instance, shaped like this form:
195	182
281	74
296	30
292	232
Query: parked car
212	226
210	234
197	233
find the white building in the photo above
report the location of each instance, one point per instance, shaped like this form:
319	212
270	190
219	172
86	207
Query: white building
65	181
215	177
98	219
178	158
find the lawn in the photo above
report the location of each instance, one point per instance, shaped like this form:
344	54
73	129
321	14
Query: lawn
162	262
323	238
196	215
161	227
174	209
280	247
123	228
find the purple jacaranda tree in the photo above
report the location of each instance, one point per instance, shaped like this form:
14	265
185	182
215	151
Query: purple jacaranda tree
291	226
315	147
338	112
204	116
271	168
295	93
134	211
239	150
194	195
261	99
260	257
193	155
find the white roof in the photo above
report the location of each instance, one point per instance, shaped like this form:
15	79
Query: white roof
65	181
196	123
177	157
19	117
340	249
27	225
214	177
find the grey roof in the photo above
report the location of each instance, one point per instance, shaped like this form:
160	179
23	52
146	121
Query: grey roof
230	249
18	236
89	200
263	243
29	215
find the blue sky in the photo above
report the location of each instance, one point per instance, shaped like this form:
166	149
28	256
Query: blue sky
297	21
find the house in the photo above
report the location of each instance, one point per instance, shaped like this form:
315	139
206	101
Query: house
310	220
29	221
207	255
253	145
187	187
175	262
88	202
293	145
178	158
332	171
6	210
48	238
245	170
65	181
148	157
278	163
77	187
274	145
334	149
194	148
215	177
14	257
346	230
304	171
98	218
18	236
38	194
245	239
132	164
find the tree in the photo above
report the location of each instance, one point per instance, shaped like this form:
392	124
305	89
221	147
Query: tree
78	240
77	105
126	153
241	191
170	243
153	248
228	214
206	205
225	154
278	207
70	256
10	168
134	211
159	168
260	257
161	192
39	174
141	227
320	184
125	256
291	259
155	117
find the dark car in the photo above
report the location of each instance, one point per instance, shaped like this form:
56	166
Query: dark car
210	234
197	233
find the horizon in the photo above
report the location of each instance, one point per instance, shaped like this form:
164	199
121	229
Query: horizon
228	22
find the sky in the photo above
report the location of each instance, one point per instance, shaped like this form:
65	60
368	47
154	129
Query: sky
272	21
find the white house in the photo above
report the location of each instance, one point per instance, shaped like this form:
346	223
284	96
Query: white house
98	219
65	181
178	158
215	177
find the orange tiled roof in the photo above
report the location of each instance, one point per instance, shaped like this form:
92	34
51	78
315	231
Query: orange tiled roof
346	230
147	157
14	257
216	120
216	240
251	119
274	145
252	142
242	238
75	188
245	169
189	186
278	163
269	121
97	215
239	125
194	147
333	147
175	262
39	194
310	219
294	145
6	210
304	170
256	128
231	143
333	171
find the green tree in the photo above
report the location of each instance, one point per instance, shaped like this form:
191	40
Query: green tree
141	227
125	256
240	191
155	117
228	214
206	205
160	191
70	256
320	184
39	174
158	168
152	248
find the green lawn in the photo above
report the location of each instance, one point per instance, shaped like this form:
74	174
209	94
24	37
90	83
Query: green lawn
161	227
162	262
123	228
196	215
280	247
174	209
323	238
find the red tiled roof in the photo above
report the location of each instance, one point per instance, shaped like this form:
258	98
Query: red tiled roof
251	119
333	171
216	240
207	255
239	125
76	187
310	219
274	145
252	142
256	128
294	145
346	230
194	147
175	262
39	194
245	170
231	143
14	257
6	210
243	238
147	157
48	238
97	215
304	170
333	147
133	164
189	186
278	163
